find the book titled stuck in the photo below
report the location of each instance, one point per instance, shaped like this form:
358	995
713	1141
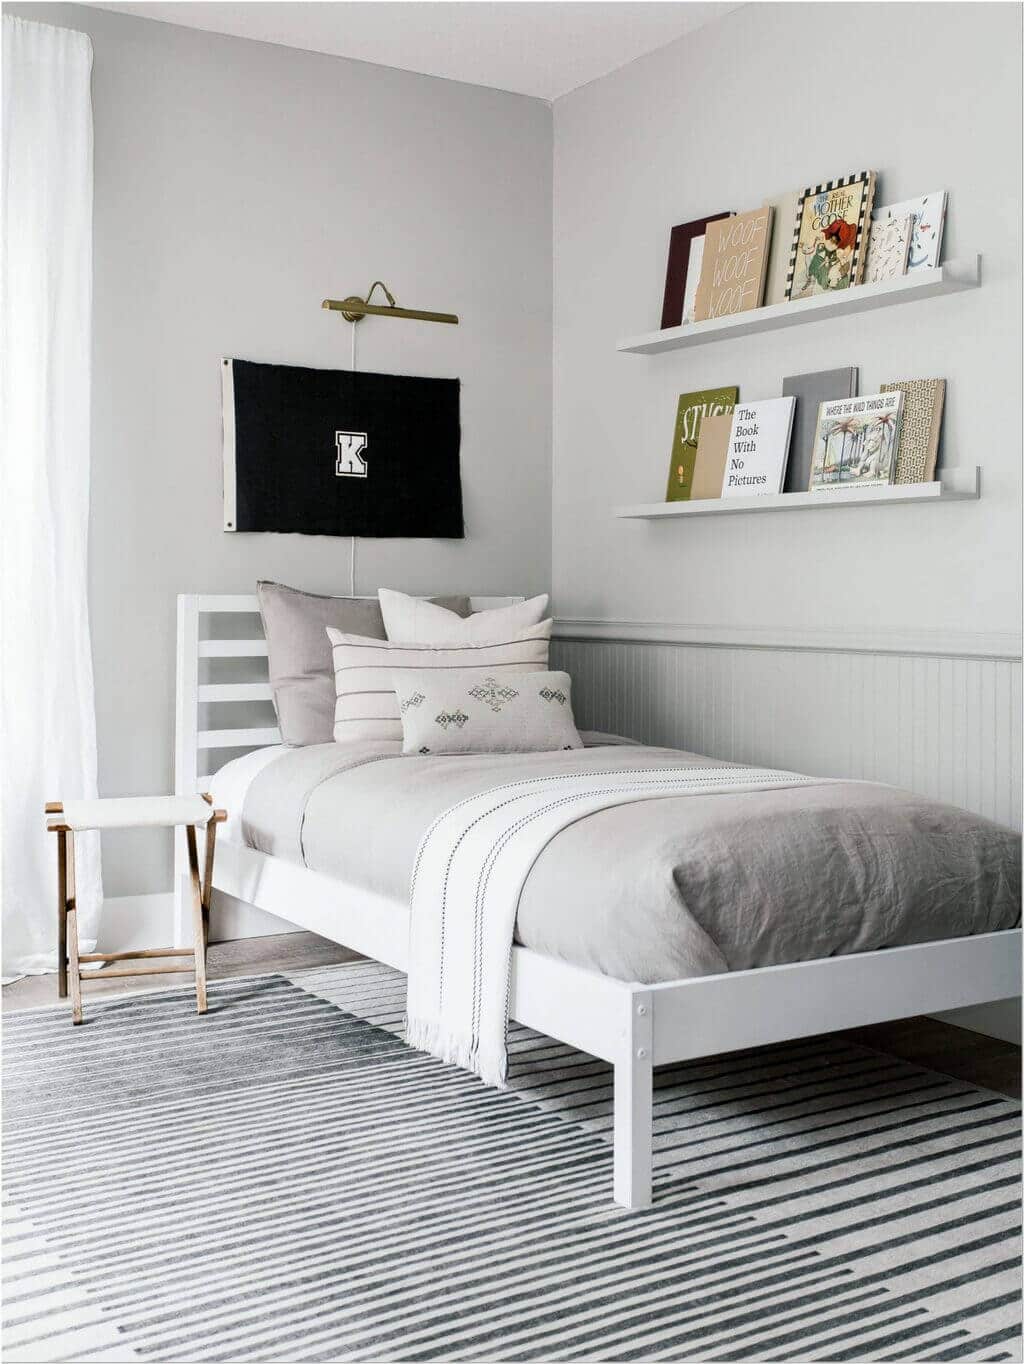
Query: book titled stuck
691	411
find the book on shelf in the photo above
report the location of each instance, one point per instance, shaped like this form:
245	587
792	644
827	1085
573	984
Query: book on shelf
733	267
829	243
888	248
712	448
693	277
690	412
784	207
855	442
918	448
929	214
680	241
758	448
810	391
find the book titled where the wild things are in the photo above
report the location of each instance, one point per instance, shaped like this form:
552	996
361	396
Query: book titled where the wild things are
856	441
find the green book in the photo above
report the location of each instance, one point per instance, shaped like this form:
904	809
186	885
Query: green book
692	409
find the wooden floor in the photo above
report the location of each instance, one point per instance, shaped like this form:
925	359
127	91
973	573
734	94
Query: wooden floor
969	1056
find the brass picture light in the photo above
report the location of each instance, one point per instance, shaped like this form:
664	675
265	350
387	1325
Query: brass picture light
354	308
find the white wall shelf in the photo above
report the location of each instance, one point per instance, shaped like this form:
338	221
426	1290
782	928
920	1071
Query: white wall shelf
951	485
948	278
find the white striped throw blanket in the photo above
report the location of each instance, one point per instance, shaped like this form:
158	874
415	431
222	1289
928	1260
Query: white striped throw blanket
470	869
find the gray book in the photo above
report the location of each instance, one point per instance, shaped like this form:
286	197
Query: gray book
810	391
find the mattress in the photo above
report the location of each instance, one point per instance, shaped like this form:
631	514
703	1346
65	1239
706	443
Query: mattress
658	890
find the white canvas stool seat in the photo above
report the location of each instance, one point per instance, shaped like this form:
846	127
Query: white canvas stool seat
131	812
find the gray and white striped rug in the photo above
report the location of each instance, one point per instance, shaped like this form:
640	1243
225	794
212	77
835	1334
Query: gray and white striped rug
286	1180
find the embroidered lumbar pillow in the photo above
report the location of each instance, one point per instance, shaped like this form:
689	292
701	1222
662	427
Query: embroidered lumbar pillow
366	671
410	620
476	711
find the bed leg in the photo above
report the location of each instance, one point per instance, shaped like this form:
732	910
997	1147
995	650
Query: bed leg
634	1113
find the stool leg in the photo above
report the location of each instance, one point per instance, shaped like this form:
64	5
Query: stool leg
198	934
211	843
62	915
71	918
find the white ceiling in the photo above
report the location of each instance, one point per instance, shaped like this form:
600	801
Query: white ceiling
533	47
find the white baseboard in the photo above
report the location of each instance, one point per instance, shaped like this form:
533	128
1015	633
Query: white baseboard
130	922
231	918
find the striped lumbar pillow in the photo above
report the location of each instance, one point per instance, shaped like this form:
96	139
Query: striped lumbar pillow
367	707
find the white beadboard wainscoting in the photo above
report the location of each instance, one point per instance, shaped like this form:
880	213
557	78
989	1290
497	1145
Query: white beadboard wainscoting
938	716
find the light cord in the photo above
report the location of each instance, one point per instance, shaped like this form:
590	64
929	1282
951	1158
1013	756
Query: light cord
352	559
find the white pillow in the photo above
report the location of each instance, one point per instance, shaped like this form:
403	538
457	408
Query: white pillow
461	710
411	620
365	670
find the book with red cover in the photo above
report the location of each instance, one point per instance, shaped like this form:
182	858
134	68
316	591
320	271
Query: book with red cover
678	262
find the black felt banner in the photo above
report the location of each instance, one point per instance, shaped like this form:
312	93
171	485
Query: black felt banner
332	452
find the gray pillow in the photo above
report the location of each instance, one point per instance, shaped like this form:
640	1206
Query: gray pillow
299	652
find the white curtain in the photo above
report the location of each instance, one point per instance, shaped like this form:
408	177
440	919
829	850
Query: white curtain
47	714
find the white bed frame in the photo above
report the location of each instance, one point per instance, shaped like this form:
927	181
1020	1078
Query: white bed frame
634	1027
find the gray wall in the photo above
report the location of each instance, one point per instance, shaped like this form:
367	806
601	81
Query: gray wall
774	97
238	184
869	643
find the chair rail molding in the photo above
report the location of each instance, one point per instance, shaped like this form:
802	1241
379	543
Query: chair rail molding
1002	645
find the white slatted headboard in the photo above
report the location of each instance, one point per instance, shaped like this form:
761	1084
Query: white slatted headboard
198	641
199	747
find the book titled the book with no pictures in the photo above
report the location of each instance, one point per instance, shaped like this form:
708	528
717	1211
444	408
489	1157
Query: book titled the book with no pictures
755	462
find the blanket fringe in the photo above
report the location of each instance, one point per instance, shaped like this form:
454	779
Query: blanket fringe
426	1034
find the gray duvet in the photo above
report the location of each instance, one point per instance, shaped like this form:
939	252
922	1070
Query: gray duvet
666	888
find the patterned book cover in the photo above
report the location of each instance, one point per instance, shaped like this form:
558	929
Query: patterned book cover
692	409
888	246
830	236
918	450
929	214
855	442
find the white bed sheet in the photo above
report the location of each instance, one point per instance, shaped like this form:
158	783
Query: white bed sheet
228	787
